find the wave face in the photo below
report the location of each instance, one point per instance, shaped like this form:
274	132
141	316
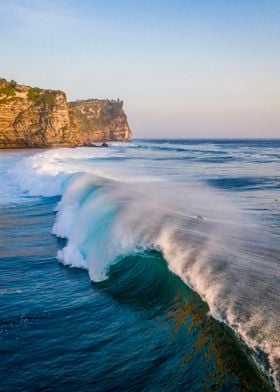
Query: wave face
217	231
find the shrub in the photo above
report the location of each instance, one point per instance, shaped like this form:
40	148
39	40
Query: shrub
33	93
13	83
8	91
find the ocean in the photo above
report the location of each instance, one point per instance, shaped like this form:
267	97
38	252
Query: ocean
152	265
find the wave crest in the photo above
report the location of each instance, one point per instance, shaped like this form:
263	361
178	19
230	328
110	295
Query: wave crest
215	248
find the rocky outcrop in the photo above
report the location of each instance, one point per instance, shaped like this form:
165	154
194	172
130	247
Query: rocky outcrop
99	120
34	117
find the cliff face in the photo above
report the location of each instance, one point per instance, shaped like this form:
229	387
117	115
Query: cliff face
33	117
99	120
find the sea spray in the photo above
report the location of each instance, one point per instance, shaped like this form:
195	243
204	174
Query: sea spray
212	245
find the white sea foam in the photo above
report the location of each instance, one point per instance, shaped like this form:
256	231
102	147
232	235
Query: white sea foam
205	239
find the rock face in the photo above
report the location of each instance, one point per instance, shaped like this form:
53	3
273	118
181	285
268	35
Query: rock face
34	117
99	120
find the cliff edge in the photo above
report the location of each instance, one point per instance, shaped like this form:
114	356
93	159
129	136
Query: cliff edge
99	120
35	117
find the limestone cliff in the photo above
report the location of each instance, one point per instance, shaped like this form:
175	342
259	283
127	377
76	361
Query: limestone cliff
34	117
99	120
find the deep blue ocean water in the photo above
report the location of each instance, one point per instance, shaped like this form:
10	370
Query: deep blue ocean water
147	266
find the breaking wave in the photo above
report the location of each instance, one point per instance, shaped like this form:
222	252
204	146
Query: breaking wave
213	247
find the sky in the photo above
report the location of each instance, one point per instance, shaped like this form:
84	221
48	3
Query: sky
184	68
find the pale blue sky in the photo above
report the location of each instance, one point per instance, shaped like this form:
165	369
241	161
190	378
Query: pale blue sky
193	68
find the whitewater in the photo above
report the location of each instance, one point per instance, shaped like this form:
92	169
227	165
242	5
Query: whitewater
211	208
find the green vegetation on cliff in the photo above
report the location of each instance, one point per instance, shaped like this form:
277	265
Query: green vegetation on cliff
36	117
42	97
7	88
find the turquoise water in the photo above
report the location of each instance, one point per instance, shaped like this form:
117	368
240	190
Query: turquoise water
175	246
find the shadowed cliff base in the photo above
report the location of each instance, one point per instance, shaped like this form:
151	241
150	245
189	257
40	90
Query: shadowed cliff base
35	117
